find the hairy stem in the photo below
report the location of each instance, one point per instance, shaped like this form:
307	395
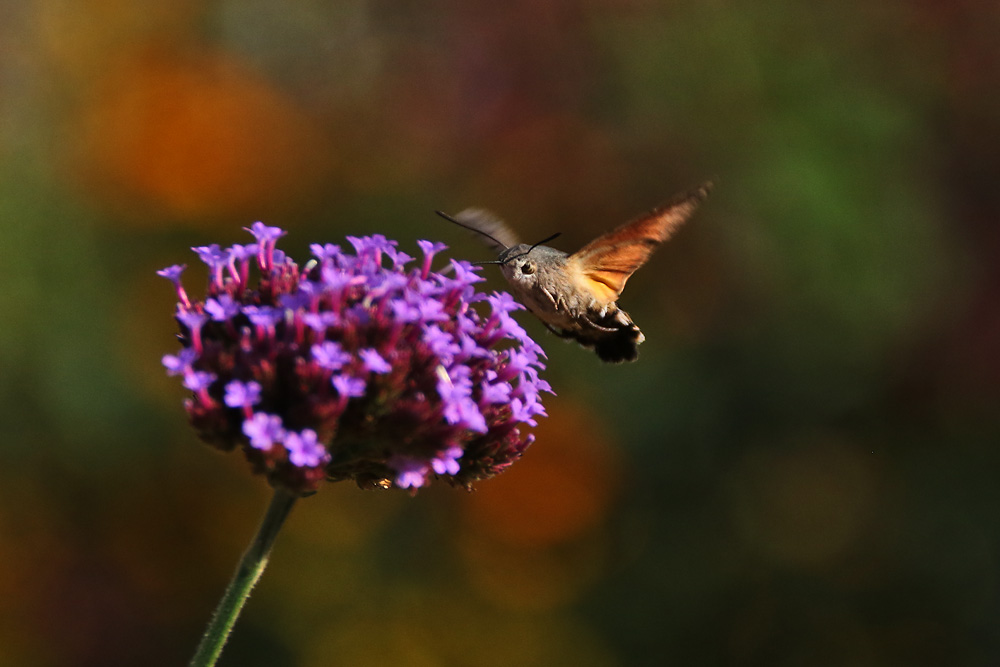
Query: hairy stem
247	573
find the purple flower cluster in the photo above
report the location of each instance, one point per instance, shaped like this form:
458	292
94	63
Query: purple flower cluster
355	367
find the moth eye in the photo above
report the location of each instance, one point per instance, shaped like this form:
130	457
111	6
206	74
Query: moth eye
527	268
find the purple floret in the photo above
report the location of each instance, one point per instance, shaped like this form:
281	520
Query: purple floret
177	364
222	308
348	387
198	380
242	394
264	233
172	273
330	355
304	450
373	361
264	430
410	473
446	463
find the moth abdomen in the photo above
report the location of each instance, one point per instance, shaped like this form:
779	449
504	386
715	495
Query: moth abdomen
612	335
620	346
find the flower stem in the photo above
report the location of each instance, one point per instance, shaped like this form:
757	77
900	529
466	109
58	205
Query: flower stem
247	573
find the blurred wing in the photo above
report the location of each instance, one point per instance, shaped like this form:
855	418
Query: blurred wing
489	225
605	264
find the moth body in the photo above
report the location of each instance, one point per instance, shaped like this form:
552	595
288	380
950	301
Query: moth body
575	295
544	282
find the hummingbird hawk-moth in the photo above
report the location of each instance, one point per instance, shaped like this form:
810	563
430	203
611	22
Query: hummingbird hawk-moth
576	295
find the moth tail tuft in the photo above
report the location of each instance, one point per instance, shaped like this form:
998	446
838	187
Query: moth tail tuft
620	346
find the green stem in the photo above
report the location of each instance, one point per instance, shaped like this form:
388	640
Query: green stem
247	573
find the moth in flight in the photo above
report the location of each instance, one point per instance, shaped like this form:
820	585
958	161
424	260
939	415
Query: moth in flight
575	295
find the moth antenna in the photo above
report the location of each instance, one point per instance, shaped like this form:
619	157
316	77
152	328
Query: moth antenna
471	229
512	258
545	240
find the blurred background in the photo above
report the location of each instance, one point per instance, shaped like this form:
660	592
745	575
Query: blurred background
799	470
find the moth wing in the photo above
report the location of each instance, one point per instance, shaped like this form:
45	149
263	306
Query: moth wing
489	225
604	265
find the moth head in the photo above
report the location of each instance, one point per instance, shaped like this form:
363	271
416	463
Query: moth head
523	262
517	264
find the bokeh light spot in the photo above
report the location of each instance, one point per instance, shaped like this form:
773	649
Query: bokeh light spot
558	491
197	137
808	504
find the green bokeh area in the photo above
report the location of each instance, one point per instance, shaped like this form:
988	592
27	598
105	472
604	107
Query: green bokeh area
800	469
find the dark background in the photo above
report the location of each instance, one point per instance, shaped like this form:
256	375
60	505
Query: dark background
801	469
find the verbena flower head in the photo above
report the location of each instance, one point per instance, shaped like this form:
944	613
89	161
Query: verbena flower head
353	366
